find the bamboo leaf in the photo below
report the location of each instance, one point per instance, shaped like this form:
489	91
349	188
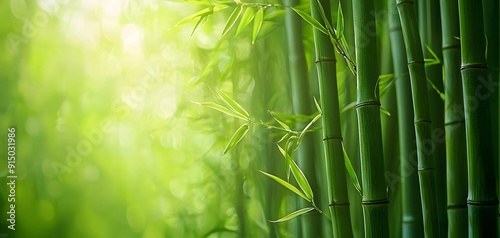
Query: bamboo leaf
247	17
309	19
237	137
433	53
295	214
301	136
286	185
204	12
298	175
349	107
199	23
340	22
383	110
283	138
285	126
257	24
317	105
236	107
222	109
232	19
441	94
351	172
329	27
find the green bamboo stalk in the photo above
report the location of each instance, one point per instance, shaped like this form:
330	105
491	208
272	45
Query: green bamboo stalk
374	202
490	19
349	127
302	104
482	200
411	207
422	116
430	32
456	166
332	137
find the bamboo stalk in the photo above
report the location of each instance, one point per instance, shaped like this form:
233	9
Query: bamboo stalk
349	125
411	207
332	137
421	115
302	104
374	202
456	166
482	200
430	31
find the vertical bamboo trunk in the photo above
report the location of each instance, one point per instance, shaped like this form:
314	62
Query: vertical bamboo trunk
422	116
332	137
350	125
456	165
302	104
411	207
374	202
430	32
490	19
482	201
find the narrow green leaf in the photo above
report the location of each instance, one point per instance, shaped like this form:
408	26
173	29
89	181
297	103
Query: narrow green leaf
383	110
286	185
349	107
199	23
351	172
317	105
285	126
236	107
236	138
284	137
301	136
441	94
222	109
247	17
205	12
309	19
257	24
340	22
232	19
433	53
298	175
295	214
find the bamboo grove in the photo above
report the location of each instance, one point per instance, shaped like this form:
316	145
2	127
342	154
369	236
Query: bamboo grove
390	120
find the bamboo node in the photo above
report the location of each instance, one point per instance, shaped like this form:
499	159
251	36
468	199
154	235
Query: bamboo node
482	203
473	66
368	103
375	202
454	122
422	121
338	204
415	62
332	138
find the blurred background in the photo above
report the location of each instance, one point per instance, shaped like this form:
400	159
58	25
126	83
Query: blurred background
108	140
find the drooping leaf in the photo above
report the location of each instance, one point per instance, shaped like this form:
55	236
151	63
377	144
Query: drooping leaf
301	136
222	109
232	20
204	12
340	22
385	111
285	126
236	107
349	107
433	53
441	94
317	105
309	19
295	214
298	175
286	185
237	137
199	23
351	172
284	137
246	18
257	24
